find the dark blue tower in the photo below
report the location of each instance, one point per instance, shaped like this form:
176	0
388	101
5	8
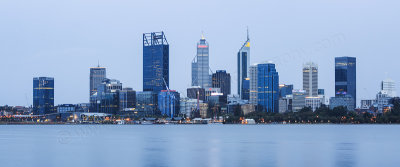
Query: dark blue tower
268	87
345	78
43	95
155	61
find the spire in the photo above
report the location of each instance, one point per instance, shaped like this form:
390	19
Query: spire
248	37
202	35
98	63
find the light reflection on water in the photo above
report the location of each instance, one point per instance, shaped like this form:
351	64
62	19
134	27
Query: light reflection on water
200	145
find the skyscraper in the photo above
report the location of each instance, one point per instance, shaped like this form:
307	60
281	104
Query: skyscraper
43	95
200	65
243	60
168	103
127	99
389	86
106	99
345	79
97	74
253	84
222	79
155	61
310	79
268	87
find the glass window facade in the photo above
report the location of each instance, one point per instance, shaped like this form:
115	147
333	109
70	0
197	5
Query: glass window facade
268	87
345	78
168	103
97	75
43	95
222	80
243	60
200	66
155	61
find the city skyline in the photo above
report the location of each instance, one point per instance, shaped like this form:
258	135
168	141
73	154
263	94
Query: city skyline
120	53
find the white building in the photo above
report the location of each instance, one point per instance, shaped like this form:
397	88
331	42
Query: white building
253	84
389	86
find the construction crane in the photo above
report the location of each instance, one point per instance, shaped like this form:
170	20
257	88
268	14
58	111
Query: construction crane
172	109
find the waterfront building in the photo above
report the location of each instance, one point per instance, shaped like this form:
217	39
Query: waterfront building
313	102
106	99
285	90
345	80
253	84
248	108
188	107
66	108
221	79
127	100
203	110
310	79
389	86
82	107
382	100
298	100
243	63
168	103
196	92
201	66
345	101
268	87
321	95
147	103
367	104
155	61
43	95
96	77
283	106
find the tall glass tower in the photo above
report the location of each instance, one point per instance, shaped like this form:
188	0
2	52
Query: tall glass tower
243	60
200	65
155	61
97	75
268	87
43	95
345	78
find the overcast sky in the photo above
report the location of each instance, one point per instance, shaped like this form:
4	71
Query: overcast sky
64	38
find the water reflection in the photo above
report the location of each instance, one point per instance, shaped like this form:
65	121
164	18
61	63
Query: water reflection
345	154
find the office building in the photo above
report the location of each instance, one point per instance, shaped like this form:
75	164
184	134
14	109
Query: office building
189	107
200	65
127	100
168	103
147	103
106	99
342	101
196	92
346	80
155	61
389	86
298	100
313	102
285	90
96	77
66	108
43	95
210	91
243	60
253	84
310	79
268	87
221	79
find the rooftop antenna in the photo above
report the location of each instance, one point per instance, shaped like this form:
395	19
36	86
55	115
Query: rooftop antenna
98	63
202	34
248	37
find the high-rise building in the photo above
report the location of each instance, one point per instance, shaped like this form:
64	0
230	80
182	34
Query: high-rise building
253	84
147	103
243	60
310	79
168	103
389	86
298	100
106	99
200	65
43	95
155	61
345	80
268	87
222	80
97	75
127	99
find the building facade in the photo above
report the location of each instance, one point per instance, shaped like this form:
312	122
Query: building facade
253	84
196	92
285	90
243	63
310	79
346	79
106	99
43	95
221	79
147	103
389	86
96	77
155	62
201	65
298	100
268	87
127	99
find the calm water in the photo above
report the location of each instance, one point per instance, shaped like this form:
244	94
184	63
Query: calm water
200	145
